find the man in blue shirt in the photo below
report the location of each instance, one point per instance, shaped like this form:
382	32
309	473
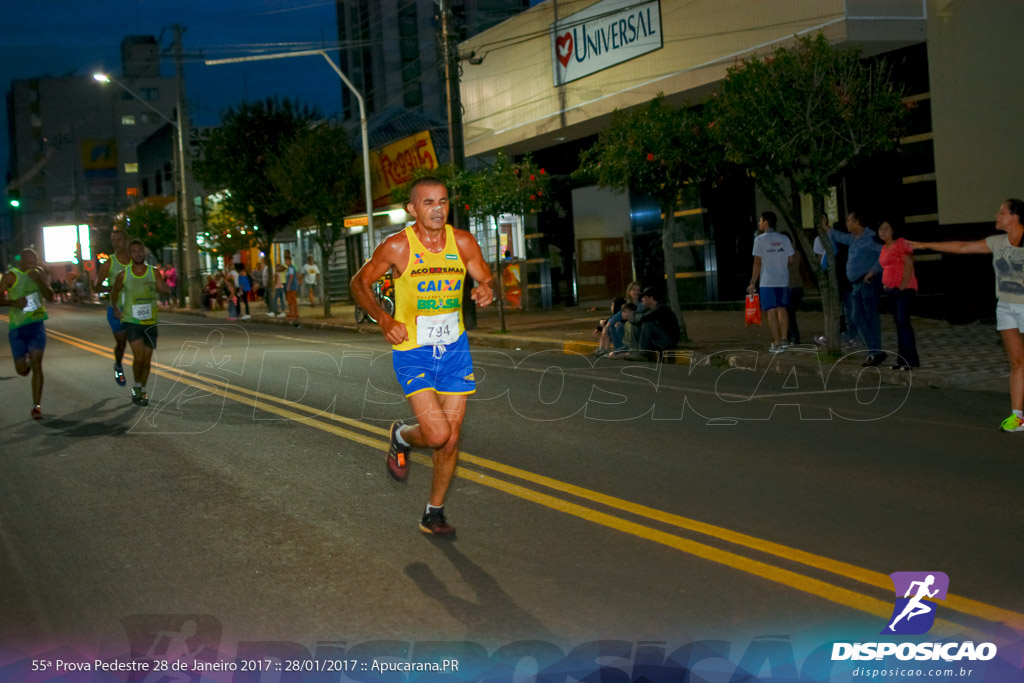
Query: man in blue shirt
864	273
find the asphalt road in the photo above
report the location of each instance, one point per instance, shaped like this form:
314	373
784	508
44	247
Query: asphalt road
608	501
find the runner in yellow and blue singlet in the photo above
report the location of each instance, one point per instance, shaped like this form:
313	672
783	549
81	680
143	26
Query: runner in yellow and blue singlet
23	289
429	261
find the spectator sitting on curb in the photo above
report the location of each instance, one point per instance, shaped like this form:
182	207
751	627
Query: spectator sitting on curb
604	345
615	332
658	328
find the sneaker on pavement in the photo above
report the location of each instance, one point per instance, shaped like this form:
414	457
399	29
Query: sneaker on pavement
246	317
37	413
270	314
119	375
774	348
1012	424
398	455
820	339
282	315
139	397
435	524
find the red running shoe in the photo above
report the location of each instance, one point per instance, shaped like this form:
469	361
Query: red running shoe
398	455
37	413
435	524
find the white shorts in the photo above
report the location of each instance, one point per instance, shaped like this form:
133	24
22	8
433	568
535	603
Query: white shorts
1009	316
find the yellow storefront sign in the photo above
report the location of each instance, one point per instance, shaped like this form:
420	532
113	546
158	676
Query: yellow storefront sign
392	165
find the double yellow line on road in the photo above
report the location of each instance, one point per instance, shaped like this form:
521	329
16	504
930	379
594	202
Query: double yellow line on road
376	437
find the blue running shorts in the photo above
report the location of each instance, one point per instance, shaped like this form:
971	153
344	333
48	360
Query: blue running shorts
444	369
115	324
28	337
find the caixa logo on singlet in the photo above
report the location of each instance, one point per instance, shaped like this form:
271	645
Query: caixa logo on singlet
913	612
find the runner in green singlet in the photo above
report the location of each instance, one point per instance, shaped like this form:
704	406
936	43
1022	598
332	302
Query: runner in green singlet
23	289
140	285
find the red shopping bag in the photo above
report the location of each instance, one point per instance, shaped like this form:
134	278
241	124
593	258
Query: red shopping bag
753	310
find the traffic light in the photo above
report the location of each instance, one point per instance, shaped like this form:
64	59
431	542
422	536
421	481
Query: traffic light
14	198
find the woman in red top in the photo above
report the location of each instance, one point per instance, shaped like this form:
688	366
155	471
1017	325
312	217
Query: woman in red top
897	261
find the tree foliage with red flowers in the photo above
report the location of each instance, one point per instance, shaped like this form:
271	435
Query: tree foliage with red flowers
799	117
662	152
505	187
151	224
225	234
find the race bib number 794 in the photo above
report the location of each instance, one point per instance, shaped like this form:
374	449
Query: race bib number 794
432	330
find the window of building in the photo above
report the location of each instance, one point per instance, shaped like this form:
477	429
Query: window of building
149	94
132	192
131	168
128	120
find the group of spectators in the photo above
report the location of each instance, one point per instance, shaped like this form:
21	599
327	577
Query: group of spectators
279	287
875	262
640	328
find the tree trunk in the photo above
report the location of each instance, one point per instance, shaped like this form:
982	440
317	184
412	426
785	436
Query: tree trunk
326	252
668	230
497	277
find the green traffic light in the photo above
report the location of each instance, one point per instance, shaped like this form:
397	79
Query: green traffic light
16	203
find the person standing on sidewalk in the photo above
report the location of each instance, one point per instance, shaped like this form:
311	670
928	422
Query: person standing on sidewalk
23	289
897	261
310	273
292	288
862	269
140	284
773	253
108	271
1007	252
431	357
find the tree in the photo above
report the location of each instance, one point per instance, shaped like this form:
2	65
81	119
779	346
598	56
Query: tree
239	154
658	151
226	234
799	117
505	187
317	175
151	224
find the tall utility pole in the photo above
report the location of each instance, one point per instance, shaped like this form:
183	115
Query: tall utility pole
190	259
456	148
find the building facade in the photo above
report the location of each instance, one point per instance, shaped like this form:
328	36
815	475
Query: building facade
74	142
587	58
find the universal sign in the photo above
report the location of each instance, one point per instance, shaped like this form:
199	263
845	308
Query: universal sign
603	35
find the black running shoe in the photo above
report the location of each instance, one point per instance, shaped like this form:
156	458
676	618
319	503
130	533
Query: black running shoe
119	375
435	524
398	455
139	397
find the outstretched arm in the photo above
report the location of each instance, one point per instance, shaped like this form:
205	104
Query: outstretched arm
954	247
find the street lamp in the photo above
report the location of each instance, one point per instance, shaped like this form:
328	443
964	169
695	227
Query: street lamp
362	119
186	241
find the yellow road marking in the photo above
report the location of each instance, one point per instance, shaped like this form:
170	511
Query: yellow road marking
806	584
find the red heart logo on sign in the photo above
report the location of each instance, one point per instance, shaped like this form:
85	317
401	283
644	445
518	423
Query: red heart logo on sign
563	48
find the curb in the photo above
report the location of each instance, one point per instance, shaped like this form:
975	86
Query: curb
782	363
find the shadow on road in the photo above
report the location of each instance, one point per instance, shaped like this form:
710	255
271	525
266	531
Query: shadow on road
493	616
108	417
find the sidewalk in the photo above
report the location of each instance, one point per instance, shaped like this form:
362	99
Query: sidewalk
952	356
